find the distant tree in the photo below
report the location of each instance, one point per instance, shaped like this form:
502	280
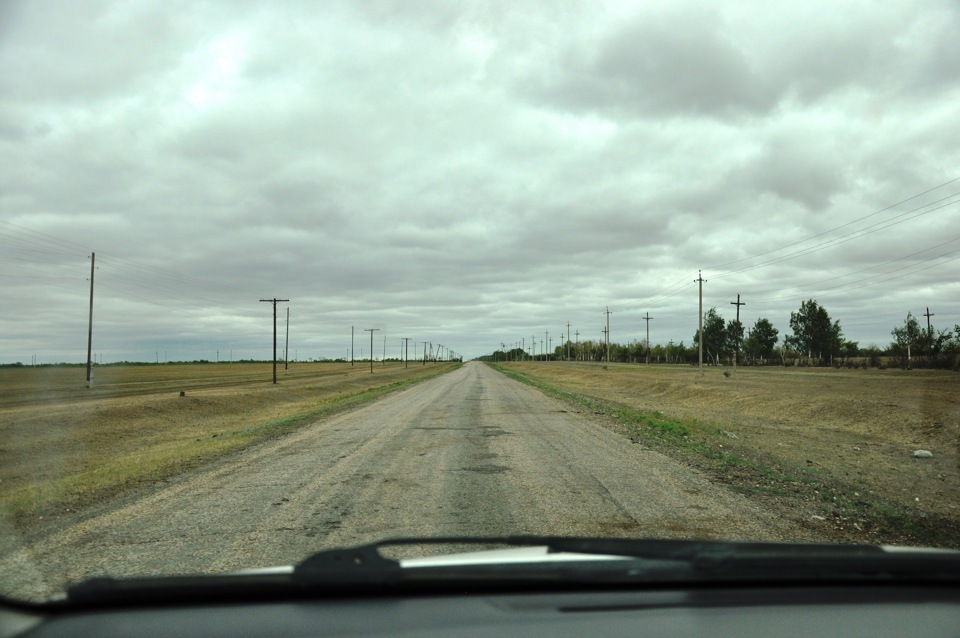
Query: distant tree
761	340
734	335
923	347
951	349
848	350
813	333
872	353
906	339
716	338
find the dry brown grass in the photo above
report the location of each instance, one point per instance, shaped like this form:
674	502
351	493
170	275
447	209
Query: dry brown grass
64	446
858	428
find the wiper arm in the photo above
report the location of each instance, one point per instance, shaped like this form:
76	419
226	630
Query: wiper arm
355	565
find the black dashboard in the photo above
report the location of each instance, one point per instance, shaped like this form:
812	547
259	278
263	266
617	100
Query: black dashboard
742	612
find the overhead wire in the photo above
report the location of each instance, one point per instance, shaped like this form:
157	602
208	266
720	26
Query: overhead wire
882	225
914	213
827	232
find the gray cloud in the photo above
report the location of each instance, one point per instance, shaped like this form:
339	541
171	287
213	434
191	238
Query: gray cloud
457	173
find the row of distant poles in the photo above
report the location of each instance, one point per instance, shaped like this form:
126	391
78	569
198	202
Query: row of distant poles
606	331
449	354
274	302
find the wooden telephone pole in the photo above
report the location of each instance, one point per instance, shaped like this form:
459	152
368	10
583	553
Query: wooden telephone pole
371	331
647	318
700	280
606	334
274	301
736	352
93	258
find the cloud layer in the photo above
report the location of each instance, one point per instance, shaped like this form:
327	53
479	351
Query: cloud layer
469	174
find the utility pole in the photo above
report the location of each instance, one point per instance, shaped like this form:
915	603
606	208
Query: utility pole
577	348
546	340
424	353
286	345
274	301
93	258
929	314
568	341
700	280
607	334
736	353
351	346
371	331
647	318
406	352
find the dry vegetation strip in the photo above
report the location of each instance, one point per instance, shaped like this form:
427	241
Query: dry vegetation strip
832	449
63	446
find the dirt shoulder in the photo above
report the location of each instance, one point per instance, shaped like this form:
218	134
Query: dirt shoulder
832	449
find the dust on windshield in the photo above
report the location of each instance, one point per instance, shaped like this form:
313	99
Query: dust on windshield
285	278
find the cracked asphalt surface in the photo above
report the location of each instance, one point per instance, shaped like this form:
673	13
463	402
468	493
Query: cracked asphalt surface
471	452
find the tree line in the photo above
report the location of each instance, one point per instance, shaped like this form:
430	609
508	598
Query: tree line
815	340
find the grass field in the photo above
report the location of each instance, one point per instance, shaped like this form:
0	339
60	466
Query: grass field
64	446
832	449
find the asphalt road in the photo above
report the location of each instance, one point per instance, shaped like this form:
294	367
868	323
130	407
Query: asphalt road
468	453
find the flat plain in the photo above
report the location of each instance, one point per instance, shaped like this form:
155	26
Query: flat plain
832	448
64	446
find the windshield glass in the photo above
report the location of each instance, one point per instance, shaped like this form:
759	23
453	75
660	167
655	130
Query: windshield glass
286	277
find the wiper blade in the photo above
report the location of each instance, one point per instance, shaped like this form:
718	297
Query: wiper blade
651	560
564	562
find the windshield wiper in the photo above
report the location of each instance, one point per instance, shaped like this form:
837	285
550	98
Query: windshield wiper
649	560
564	562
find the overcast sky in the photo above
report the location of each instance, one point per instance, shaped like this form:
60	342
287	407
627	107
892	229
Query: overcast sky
468	174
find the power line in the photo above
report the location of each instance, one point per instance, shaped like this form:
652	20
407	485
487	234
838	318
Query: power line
875	266
863	283
842	239
826	232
